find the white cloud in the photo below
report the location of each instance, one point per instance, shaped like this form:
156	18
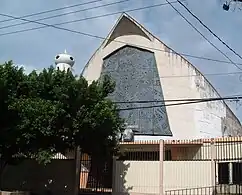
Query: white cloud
27	69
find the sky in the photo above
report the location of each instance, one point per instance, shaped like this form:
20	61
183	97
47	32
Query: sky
36	49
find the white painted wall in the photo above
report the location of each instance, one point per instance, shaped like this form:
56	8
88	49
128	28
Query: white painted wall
186	174
143	177
201	120
140	177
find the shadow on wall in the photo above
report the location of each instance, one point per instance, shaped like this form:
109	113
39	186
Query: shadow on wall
54	178
120	186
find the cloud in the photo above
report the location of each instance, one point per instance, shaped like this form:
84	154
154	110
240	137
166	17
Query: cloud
27	69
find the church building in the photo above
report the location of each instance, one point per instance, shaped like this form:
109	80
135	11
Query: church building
140	63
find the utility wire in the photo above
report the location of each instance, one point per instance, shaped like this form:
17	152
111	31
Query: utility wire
52	10
190	12
158	106
64	14
77	20
206	74
201	74
167	105
203	35
195	75
184	100
86	9
99	37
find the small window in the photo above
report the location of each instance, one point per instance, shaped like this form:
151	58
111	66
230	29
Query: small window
71	58
57	57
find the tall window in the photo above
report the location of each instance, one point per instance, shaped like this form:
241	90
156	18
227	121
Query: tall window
168	155
237	173
230	173
223	173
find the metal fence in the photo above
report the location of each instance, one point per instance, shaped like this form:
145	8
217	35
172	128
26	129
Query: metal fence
215	166
208	166
192	191
213	190
204	166
95	175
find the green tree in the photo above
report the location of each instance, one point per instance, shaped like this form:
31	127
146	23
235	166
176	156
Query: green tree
88	118
52	111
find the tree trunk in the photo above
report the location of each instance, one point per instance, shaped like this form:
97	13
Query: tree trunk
77	170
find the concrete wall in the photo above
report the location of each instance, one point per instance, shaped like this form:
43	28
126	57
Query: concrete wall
58	177
201	120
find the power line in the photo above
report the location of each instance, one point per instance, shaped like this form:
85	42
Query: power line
200	74
52	10
206	74
64	14
74	21
158	106
102	38
167	105
195	75
190	12
183	100
203	35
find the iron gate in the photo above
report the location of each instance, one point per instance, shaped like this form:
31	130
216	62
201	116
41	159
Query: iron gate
95	175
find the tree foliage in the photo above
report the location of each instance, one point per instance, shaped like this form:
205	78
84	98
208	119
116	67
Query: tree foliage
52	111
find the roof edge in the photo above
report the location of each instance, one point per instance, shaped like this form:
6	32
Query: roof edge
103	42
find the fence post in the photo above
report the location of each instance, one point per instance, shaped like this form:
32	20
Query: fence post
213	157
161	190
114	190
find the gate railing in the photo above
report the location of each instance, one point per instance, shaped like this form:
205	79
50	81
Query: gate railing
193	191
212	190
166	166
95	175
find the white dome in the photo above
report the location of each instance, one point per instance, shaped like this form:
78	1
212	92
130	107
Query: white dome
64	59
